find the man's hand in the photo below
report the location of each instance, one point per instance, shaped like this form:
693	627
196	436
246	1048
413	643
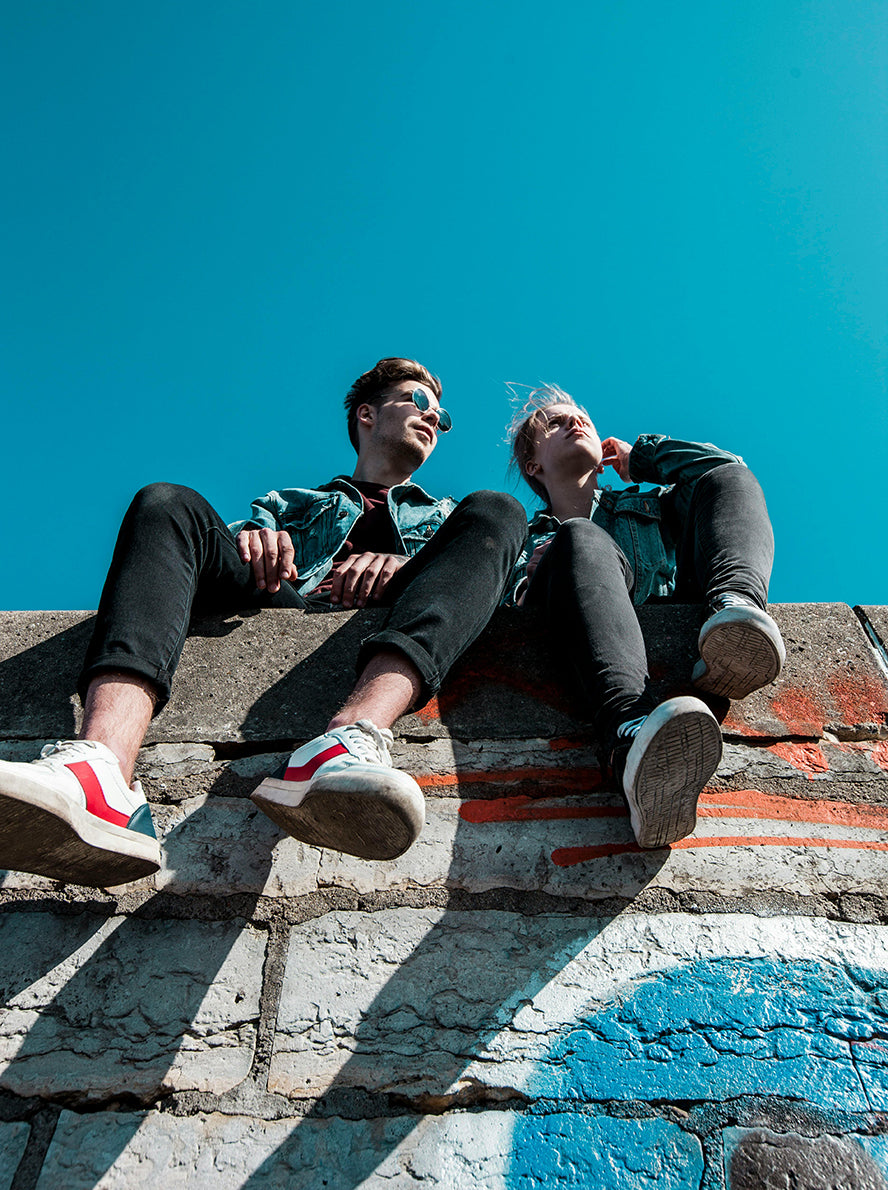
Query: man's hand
362	578
615	453
270	552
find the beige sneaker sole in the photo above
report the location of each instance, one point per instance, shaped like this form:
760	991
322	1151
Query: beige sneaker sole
373	814
675	753
44	833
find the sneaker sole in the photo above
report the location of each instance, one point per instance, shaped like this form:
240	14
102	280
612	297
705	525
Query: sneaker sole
740	653
347	811
681	746
43	833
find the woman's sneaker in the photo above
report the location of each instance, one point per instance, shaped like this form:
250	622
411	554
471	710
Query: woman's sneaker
741	649
340	791
71	816
662	763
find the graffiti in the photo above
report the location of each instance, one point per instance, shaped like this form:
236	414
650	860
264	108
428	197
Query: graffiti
717	1029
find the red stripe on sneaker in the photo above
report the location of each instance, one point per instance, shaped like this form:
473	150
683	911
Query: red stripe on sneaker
306	771
95	798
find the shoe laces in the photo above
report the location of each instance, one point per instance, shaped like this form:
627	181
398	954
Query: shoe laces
369	742
629	729
48	751
729	599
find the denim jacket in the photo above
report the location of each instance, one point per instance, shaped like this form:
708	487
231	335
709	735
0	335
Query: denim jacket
319	521
635	518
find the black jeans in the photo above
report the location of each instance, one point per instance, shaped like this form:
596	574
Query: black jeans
584	585
175	557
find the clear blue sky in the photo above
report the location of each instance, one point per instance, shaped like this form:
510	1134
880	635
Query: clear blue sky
216	214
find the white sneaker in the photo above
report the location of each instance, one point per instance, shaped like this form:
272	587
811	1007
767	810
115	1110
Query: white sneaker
741	649
71	816
663	763
340	791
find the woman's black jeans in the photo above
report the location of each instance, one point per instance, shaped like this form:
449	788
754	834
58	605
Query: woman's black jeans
584	584
176	557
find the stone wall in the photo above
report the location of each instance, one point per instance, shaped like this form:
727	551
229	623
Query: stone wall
523	999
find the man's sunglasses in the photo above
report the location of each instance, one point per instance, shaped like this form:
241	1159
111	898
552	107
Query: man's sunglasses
422	403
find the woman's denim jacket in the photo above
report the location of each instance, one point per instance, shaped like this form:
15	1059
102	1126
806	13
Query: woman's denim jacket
319	521
635	518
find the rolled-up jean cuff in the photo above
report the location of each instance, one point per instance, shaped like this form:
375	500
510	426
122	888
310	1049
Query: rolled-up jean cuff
389	638
161	680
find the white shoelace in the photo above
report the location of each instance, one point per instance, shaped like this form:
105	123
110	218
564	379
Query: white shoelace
369	742
730	599
629	729
49	751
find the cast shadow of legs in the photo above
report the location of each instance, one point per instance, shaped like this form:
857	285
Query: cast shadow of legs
427	1005
121	1010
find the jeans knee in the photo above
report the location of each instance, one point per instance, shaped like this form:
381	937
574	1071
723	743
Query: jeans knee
502	514
165	497
579	535
731	477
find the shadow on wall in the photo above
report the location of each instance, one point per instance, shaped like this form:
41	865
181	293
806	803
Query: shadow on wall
129	996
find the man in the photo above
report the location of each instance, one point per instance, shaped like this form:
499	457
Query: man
373	538
702	534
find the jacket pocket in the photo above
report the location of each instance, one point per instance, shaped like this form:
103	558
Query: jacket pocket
637	532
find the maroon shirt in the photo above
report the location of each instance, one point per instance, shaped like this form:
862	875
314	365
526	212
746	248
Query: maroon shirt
372	533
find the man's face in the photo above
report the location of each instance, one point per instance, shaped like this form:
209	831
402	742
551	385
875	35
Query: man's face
565	444
399	424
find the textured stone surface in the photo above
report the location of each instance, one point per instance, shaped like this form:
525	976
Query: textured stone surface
96	1008
642	1006
590	1036
812	820
758	1159
478	1151
277	675
13	1138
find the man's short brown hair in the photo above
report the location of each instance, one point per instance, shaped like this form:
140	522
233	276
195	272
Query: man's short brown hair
372	387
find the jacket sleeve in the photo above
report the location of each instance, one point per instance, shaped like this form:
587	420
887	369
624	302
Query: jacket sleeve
264	514
655	458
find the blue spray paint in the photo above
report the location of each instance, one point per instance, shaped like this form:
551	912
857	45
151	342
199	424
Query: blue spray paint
713	1030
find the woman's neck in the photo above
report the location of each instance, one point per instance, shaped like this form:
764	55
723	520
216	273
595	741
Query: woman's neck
573	497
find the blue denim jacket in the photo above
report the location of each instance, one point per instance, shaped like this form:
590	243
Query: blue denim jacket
319	521
634	518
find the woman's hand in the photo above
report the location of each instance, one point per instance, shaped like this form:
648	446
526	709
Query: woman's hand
615	453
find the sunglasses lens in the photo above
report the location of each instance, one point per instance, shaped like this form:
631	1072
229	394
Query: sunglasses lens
422	403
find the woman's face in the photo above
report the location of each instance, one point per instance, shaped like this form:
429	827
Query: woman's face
565	444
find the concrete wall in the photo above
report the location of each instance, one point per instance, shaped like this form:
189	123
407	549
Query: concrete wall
522	1000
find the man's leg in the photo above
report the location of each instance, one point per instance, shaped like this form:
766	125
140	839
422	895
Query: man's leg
340	791
725	553
660	756
73	814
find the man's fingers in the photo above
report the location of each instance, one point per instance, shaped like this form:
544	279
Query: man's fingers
369	586
255	558
269	540
356	565
286	569
242	541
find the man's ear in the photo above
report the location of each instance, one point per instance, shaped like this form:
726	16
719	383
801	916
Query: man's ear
531	467
366	414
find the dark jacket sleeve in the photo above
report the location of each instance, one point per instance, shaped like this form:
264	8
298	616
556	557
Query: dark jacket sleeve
657	459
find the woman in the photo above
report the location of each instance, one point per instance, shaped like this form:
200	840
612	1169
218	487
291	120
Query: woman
701	535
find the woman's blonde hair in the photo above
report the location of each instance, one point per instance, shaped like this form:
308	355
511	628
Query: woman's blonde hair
526	421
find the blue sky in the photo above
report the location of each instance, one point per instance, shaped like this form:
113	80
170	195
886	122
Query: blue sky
218	214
